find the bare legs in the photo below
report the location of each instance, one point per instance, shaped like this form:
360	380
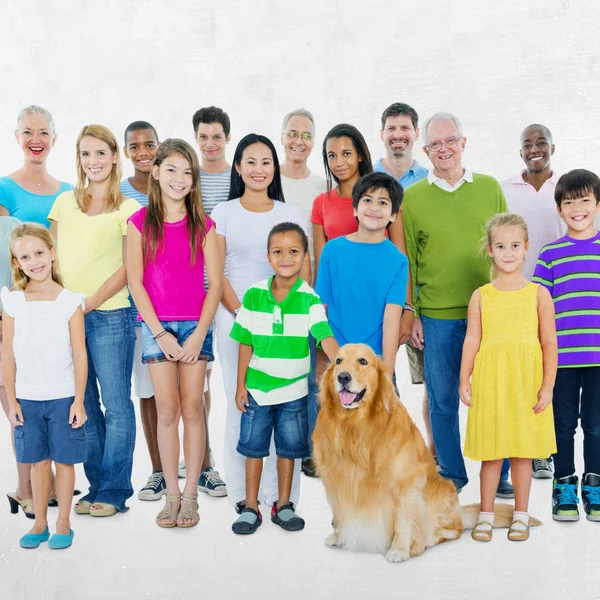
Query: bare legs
178	389
285	472
149	417
521	480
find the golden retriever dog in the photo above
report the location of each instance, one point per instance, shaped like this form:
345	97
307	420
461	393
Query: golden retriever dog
381	481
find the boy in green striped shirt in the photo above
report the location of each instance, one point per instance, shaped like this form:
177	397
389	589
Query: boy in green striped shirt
272	327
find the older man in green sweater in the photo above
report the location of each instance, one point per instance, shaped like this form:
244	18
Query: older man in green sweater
445	217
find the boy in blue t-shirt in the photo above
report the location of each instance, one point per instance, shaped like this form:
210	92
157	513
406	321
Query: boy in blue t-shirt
362	277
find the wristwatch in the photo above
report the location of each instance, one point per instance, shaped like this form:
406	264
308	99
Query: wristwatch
236	311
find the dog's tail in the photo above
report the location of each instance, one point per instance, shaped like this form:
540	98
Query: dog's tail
503	514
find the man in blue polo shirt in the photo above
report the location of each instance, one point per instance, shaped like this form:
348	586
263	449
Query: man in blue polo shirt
399	132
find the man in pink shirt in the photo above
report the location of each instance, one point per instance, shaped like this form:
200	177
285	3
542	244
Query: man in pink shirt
531	195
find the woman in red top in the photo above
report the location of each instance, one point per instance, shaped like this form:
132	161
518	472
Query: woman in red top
346	158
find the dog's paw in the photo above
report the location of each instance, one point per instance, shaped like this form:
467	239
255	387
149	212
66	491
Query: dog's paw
333	541
397	555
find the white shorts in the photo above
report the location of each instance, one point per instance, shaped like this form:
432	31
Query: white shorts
142	384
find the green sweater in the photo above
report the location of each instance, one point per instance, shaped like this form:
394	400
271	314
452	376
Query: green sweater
444	231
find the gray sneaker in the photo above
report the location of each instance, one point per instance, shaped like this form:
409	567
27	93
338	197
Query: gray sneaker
541	468
181	470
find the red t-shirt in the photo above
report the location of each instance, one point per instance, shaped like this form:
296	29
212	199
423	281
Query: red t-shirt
335	214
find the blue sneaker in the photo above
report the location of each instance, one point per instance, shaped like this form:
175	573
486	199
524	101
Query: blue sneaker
590	494
33	540
60	541
565	499
211	483
505	489
155	488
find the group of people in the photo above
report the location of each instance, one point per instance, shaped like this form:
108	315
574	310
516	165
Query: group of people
273	268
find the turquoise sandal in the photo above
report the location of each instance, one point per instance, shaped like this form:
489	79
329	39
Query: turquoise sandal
59	541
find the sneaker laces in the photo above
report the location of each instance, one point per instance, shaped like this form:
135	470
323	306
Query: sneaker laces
540	464
567	493
213	477
593	493
155	480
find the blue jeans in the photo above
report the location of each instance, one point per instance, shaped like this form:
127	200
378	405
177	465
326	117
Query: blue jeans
110	341
289	422
444	340
312	400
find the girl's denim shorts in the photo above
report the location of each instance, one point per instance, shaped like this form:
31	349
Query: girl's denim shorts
181	330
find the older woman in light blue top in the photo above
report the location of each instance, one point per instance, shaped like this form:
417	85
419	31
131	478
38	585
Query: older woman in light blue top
29	193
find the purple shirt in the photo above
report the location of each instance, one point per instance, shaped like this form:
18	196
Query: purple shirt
570	270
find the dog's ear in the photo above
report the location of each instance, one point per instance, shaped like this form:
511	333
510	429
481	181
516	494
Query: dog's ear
384	384
326	389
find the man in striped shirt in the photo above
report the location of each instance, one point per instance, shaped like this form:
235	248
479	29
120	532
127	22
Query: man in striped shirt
570	269
272	327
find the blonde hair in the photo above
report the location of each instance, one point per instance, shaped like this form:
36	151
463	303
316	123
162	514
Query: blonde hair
115	197
21	280
502	220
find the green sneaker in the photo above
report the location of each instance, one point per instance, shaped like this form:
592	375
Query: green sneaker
565	499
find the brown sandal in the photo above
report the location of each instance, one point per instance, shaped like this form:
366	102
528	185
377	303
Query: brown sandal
518	535
169	512
188	511
482	535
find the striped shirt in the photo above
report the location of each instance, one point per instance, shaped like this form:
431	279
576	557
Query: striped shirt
130	192
278	333
215	188
570	270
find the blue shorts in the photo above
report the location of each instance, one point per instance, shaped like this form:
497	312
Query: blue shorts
46	433
289	420
181	330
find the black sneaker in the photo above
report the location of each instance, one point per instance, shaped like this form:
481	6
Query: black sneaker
565	499
505	489
590	494
309	468
155	487
541	468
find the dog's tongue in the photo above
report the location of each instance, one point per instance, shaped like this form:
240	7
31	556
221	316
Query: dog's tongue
347	397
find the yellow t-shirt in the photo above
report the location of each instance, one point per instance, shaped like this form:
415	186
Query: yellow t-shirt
90	249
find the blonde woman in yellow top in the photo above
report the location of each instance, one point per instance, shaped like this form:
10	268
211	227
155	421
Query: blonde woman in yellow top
90	228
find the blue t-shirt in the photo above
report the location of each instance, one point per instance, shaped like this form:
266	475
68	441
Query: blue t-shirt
26	206
356	280
414	174
128	190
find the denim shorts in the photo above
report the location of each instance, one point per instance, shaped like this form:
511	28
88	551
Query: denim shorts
46	433
289	420
181	330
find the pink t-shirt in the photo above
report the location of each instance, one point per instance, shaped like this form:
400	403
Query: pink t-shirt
176	288
335	214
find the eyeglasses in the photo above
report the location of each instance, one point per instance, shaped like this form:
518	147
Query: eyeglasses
297	134
449	143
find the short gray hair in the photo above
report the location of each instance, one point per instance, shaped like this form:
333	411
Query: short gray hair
299	112
441	116
34	109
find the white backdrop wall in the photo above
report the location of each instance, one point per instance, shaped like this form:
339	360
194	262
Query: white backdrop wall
498	66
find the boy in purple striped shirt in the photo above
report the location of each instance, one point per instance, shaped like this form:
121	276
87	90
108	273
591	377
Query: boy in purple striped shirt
570	269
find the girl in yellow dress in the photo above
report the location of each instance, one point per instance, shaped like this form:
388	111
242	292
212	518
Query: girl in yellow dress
511	352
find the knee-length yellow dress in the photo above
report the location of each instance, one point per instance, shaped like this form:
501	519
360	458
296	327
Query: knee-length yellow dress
507	377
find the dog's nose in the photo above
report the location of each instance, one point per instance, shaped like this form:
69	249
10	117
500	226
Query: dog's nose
344	378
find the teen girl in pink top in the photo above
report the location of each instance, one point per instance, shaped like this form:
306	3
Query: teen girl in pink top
171	242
